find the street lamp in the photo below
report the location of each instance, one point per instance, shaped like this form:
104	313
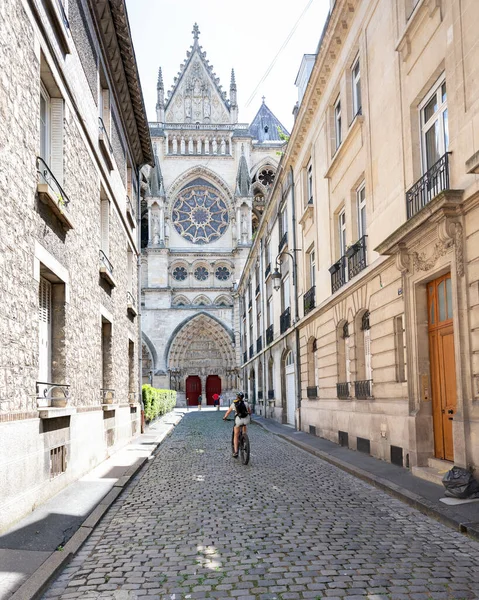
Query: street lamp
276	276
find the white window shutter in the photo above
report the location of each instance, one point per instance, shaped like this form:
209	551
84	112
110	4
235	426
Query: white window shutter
105	226
347	359
45	330
56	131
367	354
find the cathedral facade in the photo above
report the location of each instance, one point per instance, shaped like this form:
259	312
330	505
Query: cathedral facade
203	203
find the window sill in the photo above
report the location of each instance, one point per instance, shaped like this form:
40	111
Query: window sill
131	309
110	407
51	412
355	127
50	199
105	149
60	25
422	9
106	274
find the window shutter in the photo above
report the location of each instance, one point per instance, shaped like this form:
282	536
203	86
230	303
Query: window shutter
56	115
129	267
347	359
105	226
367	354
45	330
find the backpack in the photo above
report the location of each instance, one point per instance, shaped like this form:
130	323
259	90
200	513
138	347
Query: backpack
241	410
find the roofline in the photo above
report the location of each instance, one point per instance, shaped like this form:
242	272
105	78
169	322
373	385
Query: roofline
117	45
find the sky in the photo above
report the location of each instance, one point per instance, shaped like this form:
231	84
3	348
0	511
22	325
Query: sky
245	35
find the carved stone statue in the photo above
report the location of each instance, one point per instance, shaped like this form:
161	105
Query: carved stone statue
156	229
206	105
223	146
244	229
175	145
188	107
214	146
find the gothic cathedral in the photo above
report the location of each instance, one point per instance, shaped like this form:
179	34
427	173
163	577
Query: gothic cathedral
203	202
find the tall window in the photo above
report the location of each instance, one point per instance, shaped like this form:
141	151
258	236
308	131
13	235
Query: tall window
310	184
434	125
283	223
51	134
312	268
342	232
105	226
361	204
356	83
365	327
285	296
129	270
45	331
269	311
44	125
337	123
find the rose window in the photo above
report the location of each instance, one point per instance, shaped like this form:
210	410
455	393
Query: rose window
180	274
266	177
200	215
201	273
222	273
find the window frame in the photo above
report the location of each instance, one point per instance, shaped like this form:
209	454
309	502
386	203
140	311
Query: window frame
338	136
342	232
438	116
47	126
309	182
360	206
356	87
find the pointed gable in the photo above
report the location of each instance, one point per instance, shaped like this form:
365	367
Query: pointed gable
265	125
196	95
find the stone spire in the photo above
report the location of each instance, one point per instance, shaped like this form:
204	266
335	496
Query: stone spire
160	103
196	34
243	178
157	189
233	98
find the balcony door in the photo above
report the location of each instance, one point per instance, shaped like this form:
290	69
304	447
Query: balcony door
434	125
442	364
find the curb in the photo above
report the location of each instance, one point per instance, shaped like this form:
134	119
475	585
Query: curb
39	580
410	498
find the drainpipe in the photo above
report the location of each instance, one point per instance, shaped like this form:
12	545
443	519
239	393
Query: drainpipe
138	271
296	304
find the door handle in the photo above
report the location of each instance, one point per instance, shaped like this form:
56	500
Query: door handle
450	411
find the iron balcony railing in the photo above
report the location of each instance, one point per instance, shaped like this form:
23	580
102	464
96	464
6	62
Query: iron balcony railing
102	128
245	357
270	394
259	344
267	271
309	300
432	183
251	351
49	391
342	389
46	176
356	255
338	274
260	394
312	391
285	320
362	389
104	261
269	334
283	242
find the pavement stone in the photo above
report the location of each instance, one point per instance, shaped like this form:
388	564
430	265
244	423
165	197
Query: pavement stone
196	523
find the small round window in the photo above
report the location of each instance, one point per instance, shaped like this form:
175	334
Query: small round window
266	177
201	273
222	273
180	274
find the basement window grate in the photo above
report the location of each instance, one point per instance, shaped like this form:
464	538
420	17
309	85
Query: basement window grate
397	456
363	445
58	461
343	438
312	429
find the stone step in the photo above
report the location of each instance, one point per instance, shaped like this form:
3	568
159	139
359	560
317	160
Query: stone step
440	465
429	474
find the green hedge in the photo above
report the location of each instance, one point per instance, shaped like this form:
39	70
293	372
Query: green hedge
157	402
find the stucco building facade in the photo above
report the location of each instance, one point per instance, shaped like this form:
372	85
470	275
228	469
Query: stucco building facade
74	137
204	202
380	183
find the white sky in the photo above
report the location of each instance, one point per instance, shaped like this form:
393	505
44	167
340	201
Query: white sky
244	35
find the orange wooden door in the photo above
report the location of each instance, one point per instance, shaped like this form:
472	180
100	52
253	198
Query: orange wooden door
442	365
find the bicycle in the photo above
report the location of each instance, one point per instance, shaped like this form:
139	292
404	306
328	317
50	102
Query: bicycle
243	443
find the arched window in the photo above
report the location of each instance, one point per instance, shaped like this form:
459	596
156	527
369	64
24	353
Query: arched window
312	389
270	379
344	372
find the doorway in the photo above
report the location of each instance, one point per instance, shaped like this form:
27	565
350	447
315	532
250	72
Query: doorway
193	389
213	386
290	395
442	364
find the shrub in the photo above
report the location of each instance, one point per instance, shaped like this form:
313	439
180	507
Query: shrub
157	402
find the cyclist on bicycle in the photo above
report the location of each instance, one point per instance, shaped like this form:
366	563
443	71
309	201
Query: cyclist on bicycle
242	418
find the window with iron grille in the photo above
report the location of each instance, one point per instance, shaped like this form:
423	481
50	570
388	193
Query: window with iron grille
58	462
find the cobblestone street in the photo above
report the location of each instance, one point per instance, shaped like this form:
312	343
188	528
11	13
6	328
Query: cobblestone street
196	523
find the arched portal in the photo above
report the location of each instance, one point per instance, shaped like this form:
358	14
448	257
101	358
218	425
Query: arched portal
202	347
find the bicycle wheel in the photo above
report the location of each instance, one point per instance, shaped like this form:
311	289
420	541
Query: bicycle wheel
233	441
244	448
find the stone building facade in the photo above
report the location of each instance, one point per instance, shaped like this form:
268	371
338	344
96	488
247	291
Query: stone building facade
380	184
203	205
74	137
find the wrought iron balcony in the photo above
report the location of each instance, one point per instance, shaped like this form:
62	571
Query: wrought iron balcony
432	183
285	320
52	194
131	304
309	300
338	274
312	391
245	357
251	351
257	290
105	144
130	211
52	391
356	255
260	394
362	389
269	334
342	389
106	269
283	242
267	271
270	394
259	344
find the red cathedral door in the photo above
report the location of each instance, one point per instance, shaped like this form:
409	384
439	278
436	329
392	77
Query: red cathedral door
213	386
193	389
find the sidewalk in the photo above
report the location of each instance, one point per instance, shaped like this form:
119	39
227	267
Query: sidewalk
397	481
43	542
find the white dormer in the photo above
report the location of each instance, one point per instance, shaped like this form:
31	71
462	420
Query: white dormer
304	72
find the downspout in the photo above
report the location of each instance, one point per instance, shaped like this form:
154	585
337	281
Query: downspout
296	303
138	271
